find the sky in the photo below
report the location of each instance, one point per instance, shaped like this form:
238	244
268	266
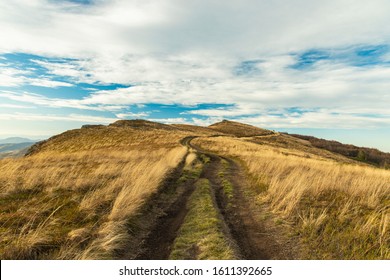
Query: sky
318	68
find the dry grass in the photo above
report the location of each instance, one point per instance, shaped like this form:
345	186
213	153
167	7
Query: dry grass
287	144
239	129
73	198
112	138
137	185
190	159
78	194
340	211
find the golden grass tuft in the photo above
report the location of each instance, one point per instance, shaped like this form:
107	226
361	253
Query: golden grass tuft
191	157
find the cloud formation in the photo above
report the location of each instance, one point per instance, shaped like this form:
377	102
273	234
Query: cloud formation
241	27
271	63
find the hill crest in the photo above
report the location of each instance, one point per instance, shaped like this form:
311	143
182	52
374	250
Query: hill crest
120	133
141	124
239	129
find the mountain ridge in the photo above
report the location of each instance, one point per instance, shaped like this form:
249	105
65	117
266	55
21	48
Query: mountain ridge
224	128
16	140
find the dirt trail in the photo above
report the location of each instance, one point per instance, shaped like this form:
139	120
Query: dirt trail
242	225
251	233
158	243
239	218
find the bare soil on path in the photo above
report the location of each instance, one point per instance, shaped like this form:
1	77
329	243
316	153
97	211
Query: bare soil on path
254	236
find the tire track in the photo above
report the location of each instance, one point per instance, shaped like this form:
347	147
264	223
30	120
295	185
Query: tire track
248	232
158	244
248	235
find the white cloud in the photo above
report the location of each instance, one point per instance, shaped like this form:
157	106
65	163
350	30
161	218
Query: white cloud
185	52
246	27
283	118
320	119
132	115
170	120
70	69
15	106
40	100
11	77
205	122
343	88
47	83
221	112
46	117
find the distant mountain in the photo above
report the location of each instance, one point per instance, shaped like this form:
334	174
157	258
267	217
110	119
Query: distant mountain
9	147
16	140
14	150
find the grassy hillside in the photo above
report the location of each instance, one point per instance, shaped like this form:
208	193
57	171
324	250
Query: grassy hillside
288	144
226	191
338	210
363	154
72	197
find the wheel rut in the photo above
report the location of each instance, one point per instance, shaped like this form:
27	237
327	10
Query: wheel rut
254	240
238	214
158	243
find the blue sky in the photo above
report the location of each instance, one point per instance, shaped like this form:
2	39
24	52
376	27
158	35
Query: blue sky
307	67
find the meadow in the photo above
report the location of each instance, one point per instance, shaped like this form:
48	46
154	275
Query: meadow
73	197
337	209
105	192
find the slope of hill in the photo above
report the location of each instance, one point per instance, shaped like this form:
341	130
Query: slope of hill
72	196
336	208
143	190
239	129
119	135
296	146
368	155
